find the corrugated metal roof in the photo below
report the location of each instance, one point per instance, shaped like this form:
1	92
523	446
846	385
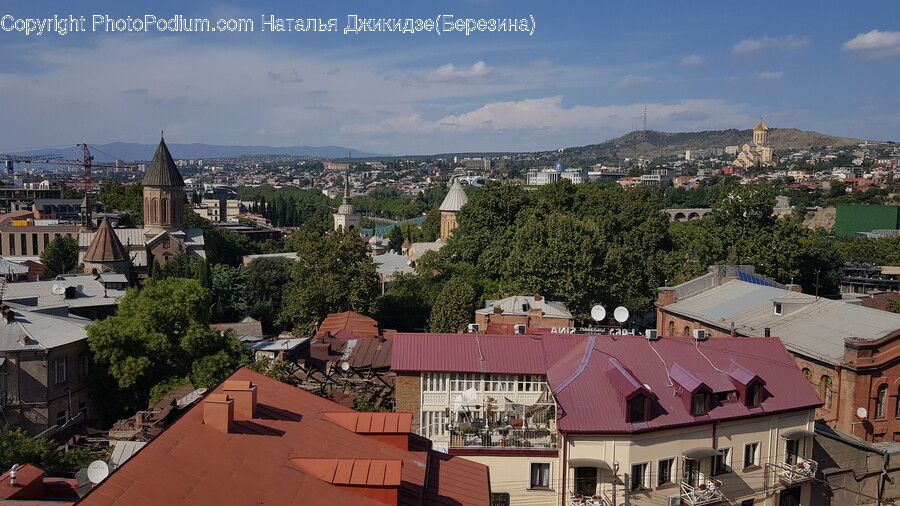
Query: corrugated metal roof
580	402
497	354
349	321
815	328
456	198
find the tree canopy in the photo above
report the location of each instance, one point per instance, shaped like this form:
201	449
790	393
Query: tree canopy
60	256
162	332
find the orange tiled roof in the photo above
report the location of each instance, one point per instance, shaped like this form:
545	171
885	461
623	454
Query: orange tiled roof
284	456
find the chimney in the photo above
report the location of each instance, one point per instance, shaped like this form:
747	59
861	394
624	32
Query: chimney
794	288
244	395
218	412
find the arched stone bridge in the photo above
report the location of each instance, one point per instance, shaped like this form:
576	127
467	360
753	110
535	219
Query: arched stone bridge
687	214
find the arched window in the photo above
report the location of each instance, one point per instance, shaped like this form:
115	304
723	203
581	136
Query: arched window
880	400
687	331
807	373
671	328
154	211
825	392
164	211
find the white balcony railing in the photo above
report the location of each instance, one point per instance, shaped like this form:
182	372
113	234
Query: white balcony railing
510	438
802	470
705	493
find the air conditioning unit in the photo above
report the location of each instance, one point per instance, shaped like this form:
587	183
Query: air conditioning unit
474	328
519	328
652	335
700	335
674	500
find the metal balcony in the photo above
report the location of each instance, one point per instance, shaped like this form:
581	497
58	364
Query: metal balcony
798	472
703	494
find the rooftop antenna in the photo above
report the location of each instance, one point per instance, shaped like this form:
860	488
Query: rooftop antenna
645	119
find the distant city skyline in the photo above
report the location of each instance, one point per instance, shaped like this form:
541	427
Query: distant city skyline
584	76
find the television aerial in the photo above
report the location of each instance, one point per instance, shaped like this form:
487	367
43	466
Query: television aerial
598	313
621	314
97	471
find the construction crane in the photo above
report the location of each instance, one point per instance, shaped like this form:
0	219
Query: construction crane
87	161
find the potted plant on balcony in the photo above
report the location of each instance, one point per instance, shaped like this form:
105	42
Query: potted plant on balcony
504	432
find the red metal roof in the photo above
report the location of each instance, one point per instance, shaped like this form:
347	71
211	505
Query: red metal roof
340	324
497	354
376	472
257	462
580	393
372	423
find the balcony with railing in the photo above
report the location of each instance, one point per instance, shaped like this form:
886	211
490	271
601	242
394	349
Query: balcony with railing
504	438
801	470
589	500
703	494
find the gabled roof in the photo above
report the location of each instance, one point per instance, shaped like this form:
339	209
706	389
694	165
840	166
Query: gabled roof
288	453
518	305
456	198
815	327
582	397
162	170
105	246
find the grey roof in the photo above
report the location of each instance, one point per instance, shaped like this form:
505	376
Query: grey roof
134	239
111	277
390	263
43	331
7	267
276	344
89	292
162	170
455	199
809	326
513	306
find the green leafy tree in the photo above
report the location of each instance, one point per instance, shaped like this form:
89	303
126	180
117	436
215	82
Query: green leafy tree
60	256
159	333
332	274
16	447
229	293
893	305
266	282
454	307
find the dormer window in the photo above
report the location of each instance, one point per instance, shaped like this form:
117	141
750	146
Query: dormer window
639	409
778	308
700	403
754	395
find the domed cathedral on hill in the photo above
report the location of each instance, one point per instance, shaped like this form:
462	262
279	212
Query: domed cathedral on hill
756	153
163	234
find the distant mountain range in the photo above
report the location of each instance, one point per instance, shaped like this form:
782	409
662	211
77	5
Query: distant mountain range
131	151
650	143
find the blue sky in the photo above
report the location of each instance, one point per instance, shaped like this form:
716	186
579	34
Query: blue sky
585	75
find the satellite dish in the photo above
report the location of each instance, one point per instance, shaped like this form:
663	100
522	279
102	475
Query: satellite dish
57	290
345	367
97	471
620	314
598	313
862	413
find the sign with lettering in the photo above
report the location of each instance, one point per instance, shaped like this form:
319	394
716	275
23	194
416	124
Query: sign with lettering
499	498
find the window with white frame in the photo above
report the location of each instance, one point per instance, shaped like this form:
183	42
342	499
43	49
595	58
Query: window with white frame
434	382
61	418
61	370
501	383
665	473
721	462
540	475
434	424
640	476
751	455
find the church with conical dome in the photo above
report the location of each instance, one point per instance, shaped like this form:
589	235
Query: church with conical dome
163	234
756	153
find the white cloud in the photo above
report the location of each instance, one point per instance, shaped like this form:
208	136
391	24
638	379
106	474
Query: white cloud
875	44
694	60
631	81
286	76
785	43
770	75
479	72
